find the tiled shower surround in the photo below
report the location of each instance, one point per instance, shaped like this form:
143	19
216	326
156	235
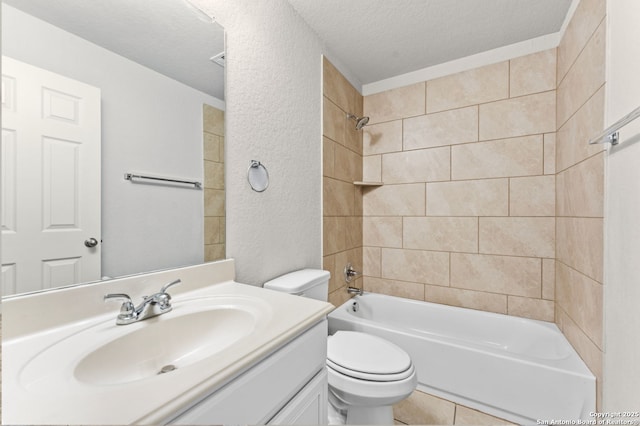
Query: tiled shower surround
466	216
492	197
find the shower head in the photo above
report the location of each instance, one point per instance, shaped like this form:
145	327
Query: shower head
360	121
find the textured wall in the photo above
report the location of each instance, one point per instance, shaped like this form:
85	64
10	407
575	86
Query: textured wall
273	115
580	184
466	216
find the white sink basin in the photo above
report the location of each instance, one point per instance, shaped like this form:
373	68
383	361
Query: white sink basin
164	346
157	348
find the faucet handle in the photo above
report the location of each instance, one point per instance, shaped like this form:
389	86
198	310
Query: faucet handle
349	273
172	283
127	309
117	296
163	299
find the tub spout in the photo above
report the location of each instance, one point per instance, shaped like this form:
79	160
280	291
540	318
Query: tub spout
354	290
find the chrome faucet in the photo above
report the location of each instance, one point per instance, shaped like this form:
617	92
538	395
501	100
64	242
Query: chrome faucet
355	290
349	275
156	304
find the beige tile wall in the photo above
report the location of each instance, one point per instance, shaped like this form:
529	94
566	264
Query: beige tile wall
466	216
580	183
214	204
342	166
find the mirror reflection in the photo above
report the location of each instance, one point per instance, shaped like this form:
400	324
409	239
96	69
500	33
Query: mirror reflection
92	91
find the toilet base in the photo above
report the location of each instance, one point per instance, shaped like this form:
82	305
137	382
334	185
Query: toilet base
380	415
340	413
336	416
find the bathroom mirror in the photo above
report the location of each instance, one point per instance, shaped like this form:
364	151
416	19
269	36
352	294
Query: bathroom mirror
157	67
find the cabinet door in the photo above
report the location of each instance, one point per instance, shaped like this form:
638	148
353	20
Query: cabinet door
308	407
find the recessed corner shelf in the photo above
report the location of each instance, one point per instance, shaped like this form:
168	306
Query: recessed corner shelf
361	183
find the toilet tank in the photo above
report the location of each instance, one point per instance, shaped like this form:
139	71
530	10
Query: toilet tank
312	283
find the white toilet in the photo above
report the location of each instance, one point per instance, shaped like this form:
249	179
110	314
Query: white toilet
367	374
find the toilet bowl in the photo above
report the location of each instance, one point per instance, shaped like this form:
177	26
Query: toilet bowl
366	374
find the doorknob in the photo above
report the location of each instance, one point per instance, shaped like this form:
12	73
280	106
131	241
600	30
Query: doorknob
91	242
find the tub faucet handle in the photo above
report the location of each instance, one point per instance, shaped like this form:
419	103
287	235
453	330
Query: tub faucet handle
349	273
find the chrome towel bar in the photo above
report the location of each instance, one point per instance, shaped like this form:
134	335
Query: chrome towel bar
131	176
610	134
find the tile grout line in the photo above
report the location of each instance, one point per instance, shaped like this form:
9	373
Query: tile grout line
478	248
542	277
509	197
450	269
509	78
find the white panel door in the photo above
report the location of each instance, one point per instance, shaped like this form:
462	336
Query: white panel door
50	179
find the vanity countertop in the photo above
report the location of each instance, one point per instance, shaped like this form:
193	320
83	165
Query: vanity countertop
43	383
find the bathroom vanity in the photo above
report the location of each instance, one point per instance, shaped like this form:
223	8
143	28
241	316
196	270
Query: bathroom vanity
224	353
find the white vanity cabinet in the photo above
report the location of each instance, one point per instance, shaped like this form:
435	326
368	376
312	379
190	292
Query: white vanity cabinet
288	386
308	407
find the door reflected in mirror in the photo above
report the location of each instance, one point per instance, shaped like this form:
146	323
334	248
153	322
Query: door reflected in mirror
135	80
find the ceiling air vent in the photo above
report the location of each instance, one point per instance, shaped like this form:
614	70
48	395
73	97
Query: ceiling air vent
218	59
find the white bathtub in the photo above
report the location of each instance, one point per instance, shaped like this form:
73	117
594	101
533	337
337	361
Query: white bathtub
518	369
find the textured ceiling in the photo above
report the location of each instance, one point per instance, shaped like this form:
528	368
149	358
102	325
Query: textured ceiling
379	39
165	35
373	39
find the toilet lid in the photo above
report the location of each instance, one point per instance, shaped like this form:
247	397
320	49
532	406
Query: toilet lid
359	354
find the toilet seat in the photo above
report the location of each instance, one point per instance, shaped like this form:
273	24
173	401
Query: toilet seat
367	357
370	376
